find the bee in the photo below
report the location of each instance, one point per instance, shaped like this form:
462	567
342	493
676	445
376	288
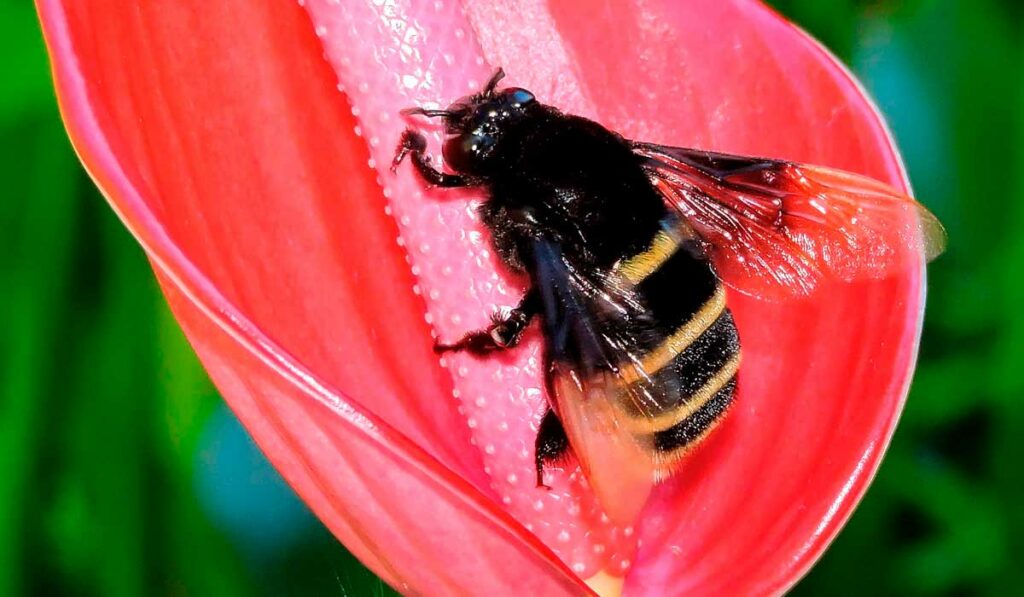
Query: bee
628	247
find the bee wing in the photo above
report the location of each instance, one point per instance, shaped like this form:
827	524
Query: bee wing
616	463
580	315
775	228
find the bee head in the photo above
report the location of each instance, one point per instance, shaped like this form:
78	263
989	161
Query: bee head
475	123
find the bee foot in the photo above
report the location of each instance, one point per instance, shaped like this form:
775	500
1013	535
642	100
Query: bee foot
411	141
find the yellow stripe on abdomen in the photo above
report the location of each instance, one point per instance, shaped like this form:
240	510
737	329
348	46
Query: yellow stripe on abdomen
687	333
687	405
635	269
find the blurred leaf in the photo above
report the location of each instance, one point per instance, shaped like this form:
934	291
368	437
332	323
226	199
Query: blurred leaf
25	85
33	271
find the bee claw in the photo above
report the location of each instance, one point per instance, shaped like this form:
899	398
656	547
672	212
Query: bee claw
399	156
540	481
411	141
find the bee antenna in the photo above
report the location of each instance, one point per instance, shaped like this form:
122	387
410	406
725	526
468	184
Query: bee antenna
493	82
425	112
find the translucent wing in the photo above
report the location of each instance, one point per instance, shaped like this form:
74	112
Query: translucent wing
776	228
578	316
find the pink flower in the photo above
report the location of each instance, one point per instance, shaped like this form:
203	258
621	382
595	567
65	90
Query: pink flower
309	279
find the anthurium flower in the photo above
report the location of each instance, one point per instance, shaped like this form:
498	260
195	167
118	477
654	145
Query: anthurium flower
246	144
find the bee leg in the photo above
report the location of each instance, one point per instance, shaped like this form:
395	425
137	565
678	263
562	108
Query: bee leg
552	444
414	144
504	332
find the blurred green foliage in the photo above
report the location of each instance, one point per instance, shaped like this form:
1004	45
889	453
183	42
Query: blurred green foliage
122	474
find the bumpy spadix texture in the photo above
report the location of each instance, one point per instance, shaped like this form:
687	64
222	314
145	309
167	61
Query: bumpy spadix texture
310	280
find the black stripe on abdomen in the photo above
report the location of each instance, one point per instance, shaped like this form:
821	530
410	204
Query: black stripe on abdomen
693	427
691	370
677	290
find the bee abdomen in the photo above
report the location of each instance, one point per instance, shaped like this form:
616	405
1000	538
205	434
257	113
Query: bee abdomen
680	387
689	395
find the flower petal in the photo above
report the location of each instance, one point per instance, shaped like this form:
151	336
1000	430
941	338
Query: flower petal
409	522
230	121
217	133
223	118
823	380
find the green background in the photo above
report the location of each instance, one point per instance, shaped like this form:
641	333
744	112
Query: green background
123	474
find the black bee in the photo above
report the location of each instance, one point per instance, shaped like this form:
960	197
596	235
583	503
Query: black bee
626	246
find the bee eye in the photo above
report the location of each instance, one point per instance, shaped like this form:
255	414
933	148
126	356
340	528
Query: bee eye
520	97
465	153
